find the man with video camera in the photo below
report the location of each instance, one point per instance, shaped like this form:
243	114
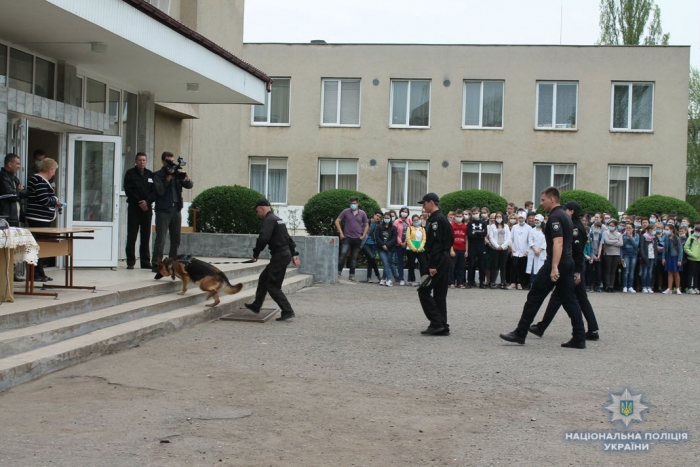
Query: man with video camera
169	182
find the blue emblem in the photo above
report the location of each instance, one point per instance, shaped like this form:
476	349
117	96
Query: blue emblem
626	407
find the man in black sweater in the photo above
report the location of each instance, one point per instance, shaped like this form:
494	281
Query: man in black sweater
140	194
11	190
477	230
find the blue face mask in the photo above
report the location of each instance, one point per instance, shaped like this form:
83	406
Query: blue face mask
611	228
663	222
353	206
652	221
684	224
596	231
416	224
537	224
386	221
620	228
637	224
658	231
393	218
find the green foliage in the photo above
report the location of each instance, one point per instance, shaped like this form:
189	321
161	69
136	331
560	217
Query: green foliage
664	205
321	211
589	202
692	187
467	199
622	22
227	209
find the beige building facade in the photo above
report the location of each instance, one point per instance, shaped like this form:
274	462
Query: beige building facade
395	121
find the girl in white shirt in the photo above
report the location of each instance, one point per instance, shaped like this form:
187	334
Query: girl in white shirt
538	248
499	240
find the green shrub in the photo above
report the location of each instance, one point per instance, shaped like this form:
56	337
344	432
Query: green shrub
694	201
589	202
321	211
467	199
226	209
663	204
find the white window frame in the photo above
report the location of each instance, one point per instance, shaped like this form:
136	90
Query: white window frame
535	195
34	55
627	180
408	104
461	181
630	86
268	97
406	201
481	104
257	160
554	106
337	170
340	82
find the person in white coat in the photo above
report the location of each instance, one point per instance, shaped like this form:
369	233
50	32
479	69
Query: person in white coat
538	248
499	241
519	235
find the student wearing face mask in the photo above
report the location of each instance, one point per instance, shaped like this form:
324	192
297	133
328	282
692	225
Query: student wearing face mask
486	217
352	234
415	240
612	239
401	224
692	253
630	249
538	248
458	252
597	241
385	241
477	229
369	247
647	257
499	240
673	259
519	235
660	275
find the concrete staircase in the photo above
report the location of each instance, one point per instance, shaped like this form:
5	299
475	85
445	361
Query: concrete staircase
37	340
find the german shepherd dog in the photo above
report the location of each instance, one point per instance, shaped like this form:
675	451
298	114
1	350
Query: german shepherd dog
207	276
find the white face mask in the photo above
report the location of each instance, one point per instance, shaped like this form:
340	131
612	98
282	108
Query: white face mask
521	222
484	216
458	219
499	219
404	214
513	221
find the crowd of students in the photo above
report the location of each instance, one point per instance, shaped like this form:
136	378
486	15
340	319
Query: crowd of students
658	253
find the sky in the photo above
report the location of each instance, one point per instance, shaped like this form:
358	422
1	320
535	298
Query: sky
568	22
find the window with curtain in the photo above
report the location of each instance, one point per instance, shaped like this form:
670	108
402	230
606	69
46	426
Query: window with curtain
482	176
557	105
632	106
562	176
408	182
341	102
337	173
275	110
628	183
269	177
410	103
483	104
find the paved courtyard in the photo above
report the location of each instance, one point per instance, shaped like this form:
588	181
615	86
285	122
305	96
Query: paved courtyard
351	381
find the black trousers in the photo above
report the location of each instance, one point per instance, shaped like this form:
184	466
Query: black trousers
519	267
564	288
136	220
477	254
369	249
270	281
411	257
499	259
435	305
584	303
39	268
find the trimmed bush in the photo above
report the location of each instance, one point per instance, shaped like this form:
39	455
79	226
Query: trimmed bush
321	211
663	204
467	199
589	202
227	209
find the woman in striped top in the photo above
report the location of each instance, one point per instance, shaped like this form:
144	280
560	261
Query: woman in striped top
42	204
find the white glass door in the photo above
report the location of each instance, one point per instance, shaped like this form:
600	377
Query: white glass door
94	177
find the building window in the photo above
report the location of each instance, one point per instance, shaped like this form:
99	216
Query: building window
275	111
341	102
408	182
637	116
21	70
95	96
556	105
483	104
410	103
269	177
628	183
482	176
337	173
3	65
113	108
562	176
129	114
44	78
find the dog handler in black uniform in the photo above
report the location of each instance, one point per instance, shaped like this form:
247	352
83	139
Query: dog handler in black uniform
580	238
282	250
558	270
437	248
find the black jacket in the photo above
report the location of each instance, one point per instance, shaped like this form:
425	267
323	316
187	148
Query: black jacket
580	239
439	239
274	233
169	193
9	207
139	187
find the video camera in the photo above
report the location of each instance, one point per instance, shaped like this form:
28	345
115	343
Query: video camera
175	168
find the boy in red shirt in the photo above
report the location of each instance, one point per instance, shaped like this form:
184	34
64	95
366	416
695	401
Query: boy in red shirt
458	252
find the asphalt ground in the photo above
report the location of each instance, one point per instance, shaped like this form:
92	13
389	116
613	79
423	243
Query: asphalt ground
351	381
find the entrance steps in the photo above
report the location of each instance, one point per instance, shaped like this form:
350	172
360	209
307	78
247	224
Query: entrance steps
47	335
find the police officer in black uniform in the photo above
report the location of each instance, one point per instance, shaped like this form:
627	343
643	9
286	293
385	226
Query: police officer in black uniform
580	238
282	250
558	270
437	248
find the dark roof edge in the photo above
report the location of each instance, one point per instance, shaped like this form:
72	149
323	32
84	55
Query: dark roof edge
160	16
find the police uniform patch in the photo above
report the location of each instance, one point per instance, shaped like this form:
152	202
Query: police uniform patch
556	226
435	226
575	232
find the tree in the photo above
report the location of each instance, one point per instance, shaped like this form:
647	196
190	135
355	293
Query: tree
693	174
622	22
